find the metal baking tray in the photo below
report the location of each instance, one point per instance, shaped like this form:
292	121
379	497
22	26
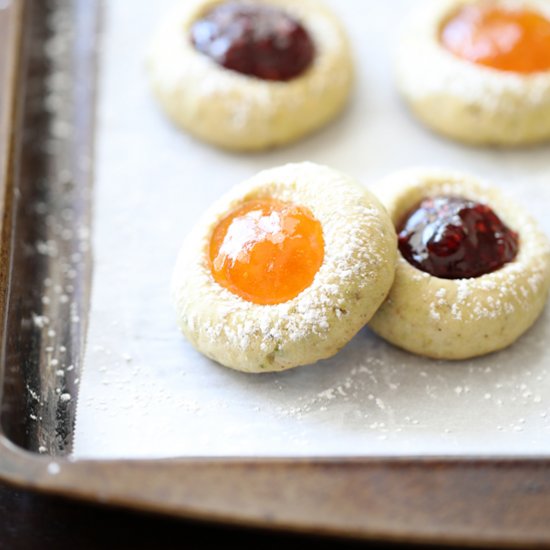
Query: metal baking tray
47	171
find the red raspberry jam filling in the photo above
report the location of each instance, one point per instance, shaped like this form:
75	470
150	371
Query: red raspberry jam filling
254	39
456	238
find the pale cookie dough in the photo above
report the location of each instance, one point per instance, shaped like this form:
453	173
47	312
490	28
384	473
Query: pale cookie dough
465	101
352	282
462	318
245	113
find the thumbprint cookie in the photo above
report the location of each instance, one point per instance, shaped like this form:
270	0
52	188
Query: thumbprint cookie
284	269
478	71
473	269
249	75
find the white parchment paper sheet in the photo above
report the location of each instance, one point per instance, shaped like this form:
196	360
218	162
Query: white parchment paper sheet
146	393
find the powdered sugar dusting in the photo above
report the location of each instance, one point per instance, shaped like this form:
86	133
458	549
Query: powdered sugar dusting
177	69
358	260
464	100
506	291
493	91
170	401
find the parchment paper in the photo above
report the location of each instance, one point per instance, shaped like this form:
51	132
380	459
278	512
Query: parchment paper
146	393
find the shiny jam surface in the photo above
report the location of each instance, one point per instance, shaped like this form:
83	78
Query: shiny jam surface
505	39
456	238
267	251
254	39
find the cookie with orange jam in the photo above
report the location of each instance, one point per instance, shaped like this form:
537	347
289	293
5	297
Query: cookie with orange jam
250	75
284	269
473	271
479	70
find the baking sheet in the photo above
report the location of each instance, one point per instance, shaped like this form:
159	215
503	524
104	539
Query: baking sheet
146	393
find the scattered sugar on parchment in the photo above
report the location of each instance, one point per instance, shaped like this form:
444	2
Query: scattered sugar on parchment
54	468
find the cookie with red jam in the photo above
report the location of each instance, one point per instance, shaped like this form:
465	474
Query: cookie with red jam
250	74
473	270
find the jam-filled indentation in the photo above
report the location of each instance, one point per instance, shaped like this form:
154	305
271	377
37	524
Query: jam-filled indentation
499	37
267	251
456	238
254	39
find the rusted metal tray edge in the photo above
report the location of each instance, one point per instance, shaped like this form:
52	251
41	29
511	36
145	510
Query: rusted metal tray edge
481	503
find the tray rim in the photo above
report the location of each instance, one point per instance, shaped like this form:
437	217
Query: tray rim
487	501
497	501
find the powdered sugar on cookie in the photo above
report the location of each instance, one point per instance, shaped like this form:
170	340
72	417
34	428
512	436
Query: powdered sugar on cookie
460	318
464	100
353	280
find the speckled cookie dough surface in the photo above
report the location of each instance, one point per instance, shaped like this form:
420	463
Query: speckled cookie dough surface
462	318
240	112
353	280
463	100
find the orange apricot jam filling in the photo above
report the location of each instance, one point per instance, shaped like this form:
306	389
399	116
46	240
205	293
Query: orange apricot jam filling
267	251
501	38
